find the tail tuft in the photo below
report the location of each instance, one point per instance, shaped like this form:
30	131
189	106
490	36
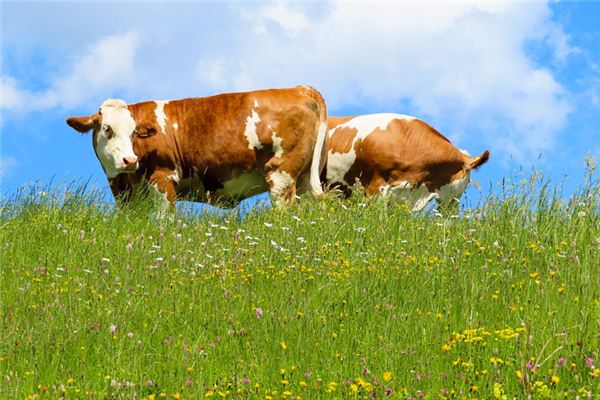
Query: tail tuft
478	161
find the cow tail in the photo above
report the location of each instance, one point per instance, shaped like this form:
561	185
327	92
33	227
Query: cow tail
478	161
321	146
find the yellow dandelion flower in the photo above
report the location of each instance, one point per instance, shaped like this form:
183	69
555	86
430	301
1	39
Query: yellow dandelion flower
283	345
387	376
555	379
176	396
210	393
354	388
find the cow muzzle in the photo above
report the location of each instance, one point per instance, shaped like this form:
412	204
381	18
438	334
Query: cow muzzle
130	164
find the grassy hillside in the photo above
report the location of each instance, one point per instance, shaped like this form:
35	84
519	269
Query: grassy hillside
325	299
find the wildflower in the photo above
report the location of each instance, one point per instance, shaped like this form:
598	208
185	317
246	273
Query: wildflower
562	362
283	345
190	383
420	394
176	396
113	329
130	335
258	312
589	362
149	382
555	379
387	376
388	391
530	365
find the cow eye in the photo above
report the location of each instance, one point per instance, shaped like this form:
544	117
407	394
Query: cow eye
108	132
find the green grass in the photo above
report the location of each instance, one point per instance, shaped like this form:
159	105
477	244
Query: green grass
358	298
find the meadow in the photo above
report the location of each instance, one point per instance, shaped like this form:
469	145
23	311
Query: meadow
325	299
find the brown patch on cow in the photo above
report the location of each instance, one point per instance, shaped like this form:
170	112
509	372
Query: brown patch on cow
342	139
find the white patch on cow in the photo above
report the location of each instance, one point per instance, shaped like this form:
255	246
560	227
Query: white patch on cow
174	177
175	125
277	145
338	164
280	184
453	190
250	131
114	140
243	185
315	181
161	117
416	198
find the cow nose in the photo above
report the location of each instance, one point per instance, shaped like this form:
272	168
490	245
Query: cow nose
129	160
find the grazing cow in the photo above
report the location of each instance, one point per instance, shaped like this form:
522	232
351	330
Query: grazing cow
397	156
225	147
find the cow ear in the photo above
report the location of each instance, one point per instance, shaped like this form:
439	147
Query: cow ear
144	130
84	124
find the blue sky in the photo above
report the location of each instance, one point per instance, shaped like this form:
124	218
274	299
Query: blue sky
521	79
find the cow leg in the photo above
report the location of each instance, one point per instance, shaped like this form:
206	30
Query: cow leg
282	187
164	183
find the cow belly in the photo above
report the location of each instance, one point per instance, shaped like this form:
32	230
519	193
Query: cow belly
243	185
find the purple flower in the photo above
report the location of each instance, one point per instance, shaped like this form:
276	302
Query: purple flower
562	361
420	394
258	312
365	371
149	383
190	383
388	391
246	380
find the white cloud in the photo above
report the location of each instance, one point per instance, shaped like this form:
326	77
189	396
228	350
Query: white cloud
462	64
106	66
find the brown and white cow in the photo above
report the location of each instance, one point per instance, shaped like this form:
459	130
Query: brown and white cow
397	156
228	147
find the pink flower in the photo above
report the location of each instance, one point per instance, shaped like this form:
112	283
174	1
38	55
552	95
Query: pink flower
388	391
420	394
258	312
530	365
589	362
561	361
190	383
112	329
149	382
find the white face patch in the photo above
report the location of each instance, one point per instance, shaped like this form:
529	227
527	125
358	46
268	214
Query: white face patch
250	131
453	190
338	164
161	117
416	198
114	140
281	182
243	185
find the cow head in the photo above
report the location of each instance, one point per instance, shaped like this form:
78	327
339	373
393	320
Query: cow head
113	128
